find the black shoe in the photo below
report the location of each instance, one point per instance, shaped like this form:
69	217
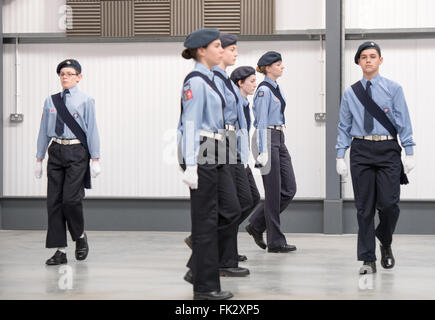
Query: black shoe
188	241
189	276
242	258
82	248
387	260
58	258
233	272
258	236
282	249
368	267
214	295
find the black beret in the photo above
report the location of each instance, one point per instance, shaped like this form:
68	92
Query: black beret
268	58
201	38
241	73
228	39
70	63
365	46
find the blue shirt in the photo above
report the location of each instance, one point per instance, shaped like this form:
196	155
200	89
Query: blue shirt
82	108
233	113
202	110
230	111
390	98
267	112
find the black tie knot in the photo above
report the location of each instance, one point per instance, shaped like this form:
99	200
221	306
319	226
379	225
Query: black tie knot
65	91
369	84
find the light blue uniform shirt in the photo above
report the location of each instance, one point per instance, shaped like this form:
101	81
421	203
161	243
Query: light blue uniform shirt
202	110
82	108
389	96
230	111
267	112
242	127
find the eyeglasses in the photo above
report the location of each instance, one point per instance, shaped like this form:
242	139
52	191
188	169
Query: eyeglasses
68	74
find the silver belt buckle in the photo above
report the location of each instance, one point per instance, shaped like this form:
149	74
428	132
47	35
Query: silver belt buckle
65	142
376	138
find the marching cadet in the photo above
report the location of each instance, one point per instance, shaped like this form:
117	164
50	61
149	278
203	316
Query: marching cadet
245	80
373	112
236	135
69	121
272	156
214	205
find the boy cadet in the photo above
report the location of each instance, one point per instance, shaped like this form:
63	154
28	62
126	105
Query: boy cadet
373	112
68	119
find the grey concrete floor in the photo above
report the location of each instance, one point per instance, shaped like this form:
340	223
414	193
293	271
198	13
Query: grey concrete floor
151	265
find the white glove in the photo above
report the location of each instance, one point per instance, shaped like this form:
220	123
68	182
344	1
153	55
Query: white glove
409	164
262	159
190	177
95	169
245	165
38	170
342	168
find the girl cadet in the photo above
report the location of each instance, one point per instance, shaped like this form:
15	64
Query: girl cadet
273	157
68	119
235	127
237	135
202	136
246	81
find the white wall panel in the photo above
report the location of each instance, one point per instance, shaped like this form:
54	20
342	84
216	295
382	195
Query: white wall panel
23	16
300	14
137	92
373	14
410	63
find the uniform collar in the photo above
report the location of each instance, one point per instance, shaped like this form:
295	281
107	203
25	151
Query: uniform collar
374	81
220	70
203	69
72	91
273	83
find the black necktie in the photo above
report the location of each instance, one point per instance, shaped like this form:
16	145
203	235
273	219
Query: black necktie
282	106
247	116
59	123
368	118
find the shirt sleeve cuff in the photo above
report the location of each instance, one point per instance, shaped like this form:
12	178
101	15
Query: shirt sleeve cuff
409	150
95	155
341	153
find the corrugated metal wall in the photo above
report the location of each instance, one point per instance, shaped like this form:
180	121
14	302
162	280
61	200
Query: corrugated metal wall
137	91
257	17
117	19
186	16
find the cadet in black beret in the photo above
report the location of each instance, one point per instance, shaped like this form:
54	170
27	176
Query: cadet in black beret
202	106
69	123
228	39
274	162
365	46
241	73
268	58
69	63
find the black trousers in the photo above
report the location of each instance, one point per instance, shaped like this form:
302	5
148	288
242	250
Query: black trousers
279	187
375	169
66	171
215	211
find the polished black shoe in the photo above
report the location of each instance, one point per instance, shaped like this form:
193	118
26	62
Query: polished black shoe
82	248
188	241
189	276
214	295
258	236
233	272
387	260
282	249
56	259
242	258
368	267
